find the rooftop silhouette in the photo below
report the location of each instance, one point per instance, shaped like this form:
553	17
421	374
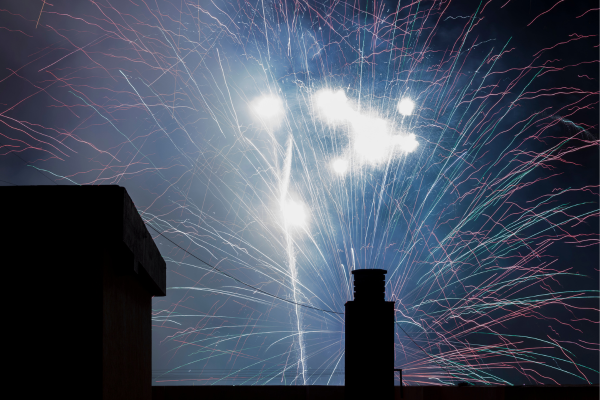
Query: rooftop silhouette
86	269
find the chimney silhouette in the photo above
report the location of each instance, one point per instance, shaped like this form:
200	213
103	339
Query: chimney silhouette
369	327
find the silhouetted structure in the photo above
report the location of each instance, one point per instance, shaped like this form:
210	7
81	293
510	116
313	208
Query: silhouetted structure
369	333
582	392
83	269
80	270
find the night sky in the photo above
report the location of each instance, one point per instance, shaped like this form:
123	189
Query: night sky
272	147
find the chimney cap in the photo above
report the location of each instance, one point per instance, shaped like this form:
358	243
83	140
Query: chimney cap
370	271
369	285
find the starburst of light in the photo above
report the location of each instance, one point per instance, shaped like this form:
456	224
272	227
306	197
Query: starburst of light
269	108
294	213
406	106
333	105
406	143
340	166
412	139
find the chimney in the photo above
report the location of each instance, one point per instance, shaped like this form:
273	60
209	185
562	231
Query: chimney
369	327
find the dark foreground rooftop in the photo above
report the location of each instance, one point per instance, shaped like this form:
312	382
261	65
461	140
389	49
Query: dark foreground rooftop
410	392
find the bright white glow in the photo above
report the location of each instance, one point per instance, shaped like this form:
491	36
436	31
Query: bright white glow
333	106
340	166
268	107
406	106
372	139
406	143
294	213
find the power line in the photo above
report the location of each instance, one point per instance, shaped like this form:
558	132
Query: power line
260	290
420	348
29	165
282	299
239	281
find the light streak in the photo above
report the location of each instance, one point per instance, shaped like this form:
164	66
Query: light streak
293	214
40	16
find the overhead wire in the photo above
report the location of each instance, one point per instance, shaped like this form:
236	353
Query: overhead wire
280	298
263	291
239	281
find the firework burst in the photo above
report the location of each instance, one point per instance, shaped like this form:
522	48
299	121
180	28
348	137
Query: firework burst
276	146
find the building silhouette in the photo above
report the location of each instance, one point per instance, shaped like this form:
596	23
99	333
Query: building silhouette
83	270
369	332
80	272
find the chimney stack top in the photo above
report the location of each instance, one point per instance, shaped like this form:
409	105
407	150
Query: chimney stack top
369	284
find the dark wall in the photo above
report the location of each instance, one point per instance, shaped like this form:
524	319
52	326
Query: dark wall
410	393
79	271
126	335
369	345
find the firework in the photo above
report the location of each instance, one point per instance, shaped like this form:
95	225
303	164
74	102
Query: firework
286	144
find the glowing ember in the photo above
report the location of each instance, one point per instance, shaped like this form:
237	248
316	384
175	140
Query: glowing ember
340	166
294	213
269	108
406	106
333	106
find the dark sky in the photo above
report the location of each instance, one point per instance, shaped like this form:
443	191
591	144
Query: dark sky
488	229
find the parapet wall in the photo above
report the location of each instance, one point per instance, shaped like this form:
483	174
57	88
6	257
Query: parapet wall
410	392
